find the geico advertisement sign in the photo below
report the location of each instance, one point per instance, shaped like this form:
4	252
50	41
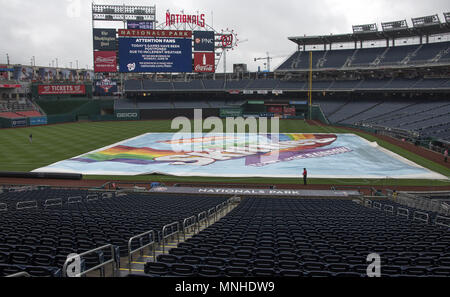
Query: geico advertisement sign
127	115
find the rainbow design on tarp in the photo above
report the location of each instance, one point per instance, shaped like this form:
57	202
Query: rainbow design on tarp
298	143
245	155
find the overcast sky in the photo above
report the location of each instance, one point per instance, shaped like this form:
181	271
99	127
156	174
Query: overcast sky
50	29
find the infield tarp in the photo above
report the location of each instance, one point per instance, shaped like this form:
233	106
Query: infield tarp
240	155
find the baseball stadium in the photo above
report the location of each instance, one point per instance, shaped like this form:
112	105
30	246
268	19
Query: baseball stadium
155	164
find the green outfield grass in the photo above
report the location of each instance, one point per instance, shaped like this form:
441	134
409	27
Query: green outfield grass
54	143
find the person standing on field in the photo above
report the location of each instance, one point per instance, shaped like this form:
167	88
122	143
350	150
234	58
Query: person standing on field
445	155
305	176
31	138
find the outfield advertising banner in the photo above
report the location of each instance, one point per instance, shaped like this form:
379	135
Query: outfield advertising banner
143	55
105	86
230	112
240	155
18	123
127	115
37	121
61	89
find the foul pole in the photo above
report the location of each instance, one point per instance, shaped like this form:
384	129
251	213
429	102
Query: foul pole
310	85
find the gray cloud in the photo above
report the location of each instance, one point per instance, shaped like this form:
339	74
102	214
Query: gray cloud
50	29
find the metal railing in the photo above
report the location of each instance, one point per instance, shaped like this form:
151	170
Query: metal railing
376	205
53	202
174	229
402	212
188	224
19	274
202	219
421	216
76	199
221	209
211	214
442	221
107	195
388	209
142	246
26	205
99	266
420	203
90	198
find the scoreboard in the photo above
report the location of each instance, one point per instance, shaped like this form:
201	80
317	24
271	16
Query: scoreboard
154	51
143	55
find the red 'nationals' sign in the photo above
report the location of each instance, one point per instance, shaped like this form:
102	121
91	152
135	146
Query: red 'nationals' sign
61	90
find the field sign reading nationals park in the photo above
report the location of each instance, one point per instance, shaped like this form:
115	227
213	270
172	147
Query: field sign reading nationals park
245	155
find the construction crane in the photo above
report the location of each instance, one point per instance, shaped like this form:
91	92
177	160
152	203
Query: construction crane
268	58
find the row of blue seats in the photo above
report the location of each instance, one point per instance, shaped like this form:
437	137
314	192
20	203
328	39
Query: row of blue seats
246	238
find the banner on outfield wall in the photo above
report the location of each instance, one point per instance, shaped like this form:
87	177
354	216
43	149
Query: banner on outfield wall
18	123
37	121
105	61
105	86
127	115
275	109
290	111
61	89
230	112
105	39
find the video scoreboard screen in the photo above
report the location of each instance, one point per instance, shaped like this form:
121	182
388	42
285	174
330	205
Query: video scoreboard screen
142	54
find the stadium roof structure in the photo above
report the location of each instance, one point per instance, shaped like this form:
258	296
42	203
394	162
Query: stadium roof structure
424	26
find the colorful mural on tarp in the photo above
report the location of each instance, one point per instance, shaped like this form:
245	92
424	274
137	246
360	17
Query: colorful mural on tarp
245	155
